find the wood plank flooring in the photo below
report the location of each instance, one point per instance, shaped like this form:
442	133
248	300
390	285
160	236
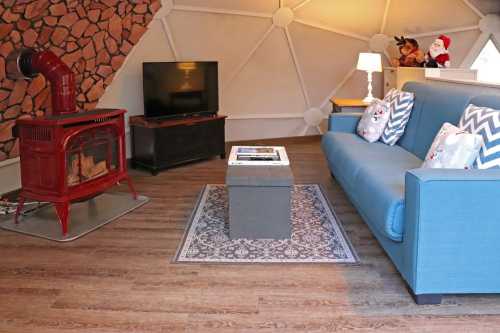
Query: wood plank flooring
120	278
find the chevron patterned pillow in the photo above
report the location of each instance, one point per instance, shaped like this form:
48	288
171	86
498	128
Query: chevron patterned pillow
401	106
485	122
390	94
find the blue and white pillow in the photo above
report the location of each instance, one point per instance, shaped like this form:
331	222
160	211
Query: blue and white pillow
485	122
390	94
401	103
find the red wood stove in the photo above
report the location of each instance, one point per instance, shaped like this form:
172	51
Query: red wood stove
67	155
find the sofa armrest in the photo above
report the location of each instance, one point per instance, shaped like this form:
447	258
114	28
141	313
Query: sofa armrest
344	122
452	231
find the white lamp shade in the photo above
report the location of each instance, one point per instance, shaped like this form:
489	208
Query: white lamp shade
370	62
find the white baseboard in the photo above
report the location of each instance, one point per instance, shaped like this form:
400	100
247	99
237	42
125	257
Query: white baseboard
266	116
238	129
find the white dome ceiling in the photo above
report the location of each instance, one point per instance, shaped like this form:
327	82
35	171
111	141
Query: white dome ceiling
288	56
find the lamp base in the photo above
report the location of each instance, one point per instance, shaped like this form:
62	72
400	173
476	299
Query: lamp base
368	99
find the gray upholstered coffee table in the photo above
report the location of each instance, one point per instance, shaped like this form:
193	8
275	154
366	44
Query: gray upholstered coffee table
259	201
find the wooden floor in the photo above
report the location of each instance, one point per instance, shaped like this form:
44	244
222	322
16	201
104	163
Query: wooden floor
120	279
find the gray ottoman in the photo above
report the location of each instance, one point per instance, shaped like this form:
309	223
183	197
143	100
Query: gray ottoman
259	201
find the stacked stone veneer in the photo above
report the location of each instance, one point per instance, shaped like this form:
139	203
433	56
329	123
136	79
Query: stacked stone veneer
93	37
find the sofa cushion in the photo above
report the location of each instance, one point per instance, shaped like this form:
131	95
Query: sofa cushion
485	122
401	104
375	176
433	107
453	148
334	147
374	120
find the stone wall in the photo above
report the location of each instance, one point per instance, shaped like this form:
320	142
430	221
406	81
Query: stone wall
93	37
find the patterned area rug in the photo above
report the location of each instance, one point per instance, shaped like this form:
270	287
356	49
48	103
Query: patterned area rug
317	236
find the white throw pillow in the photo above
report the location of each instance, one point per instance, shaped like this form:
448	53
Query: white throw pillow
453	148
372	123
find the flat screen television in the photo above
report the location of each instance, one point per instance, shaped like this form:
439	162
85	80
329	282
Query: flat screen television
180	89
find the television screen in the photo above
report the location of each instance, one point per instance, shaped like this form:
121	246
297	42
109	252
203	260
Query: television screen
177	89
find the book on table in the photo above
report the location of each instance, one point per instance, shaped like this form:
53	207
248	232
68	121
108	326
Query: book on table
256	155
256	151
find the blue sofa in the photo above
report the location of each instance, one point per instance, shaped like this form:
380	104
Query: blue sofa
440	227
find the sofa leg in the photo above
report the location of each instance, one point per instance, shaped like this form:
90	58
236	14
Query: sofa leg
426	299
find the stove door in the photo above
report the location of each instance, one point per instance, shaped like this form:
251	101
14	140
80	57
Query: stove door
91	154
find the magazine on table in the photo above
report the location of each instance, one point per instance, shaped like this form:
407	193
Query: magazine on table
256	155
256	151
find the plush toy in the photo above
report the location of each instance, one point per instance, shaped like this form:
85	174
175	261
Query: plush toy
438	56
411	55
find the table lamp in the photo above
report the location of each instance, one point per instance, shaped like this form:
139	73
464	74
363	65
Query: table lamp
369	62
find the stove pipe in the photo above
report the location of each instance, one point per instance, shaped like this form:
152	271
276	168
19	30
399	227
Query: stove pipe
28	63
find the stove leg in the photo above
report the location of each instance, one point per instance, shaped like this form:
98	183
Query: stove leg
62	209
131	187
20	205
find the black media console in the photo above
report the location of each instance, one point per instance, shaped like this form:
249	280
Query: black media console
160	144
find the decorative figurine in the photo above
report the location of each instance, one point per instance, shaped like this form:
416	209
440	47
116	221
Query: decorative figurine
438	56
411	55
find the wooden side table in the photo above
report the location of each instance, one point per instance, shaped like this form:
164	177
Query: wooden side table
348	105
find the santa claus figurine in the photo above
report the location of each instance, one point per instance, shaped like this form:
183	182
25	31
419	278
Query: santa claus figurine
438	56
